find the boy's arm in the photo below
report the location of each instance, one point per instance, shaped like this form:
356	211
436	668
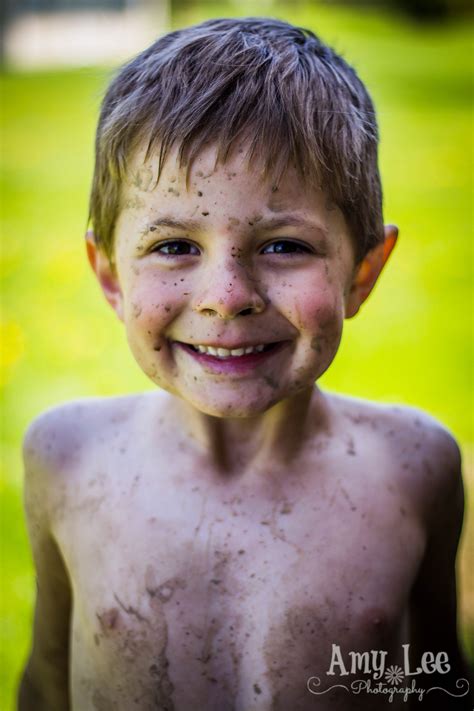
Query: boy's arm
433	601
45	682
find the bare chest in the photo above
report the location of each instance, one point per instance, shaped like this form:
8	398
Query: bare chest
230	598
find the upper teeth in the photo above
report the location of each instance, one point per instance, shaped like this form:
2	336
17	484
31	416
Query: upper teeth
225	352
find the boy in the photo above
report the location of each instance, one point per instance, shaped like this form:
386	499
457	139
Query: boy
237	538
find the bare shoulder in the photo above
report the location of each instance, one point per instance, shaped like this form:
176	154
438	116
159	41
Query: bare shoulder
58	434
60	442
421	453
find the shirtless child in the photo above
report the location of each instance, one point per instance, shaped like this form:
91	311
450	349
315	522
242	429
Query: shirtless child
228	540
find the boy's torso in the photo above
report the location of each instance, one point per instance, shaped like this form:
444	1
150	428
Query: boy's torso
196	591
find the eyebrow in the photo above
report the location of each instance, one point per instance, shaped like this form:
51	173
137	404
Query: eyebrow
274	223
171	222
271	223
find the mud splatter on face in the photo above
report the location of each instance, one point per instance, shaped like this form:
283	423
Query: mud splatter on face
143	179
136	310
133	203
270	381
316	345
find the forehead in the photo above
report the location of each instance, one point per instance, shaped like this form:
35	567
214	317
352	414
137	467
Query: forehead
225	196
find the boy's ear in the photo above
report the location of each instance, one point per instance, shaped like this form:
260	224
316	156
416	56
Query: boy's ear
369	270
106	274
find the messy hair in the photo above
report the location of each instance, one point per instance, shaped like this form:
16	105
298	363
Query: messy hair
277	88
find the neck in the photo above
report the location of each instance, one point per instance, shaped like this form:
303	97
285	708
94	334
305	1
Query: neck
235	445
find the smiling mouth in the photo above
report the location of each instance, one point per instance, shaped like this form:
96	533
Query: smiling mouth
230	353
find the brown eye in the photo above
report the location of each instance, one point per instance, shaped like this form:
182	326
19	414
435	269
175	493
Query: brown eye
175	248
285	246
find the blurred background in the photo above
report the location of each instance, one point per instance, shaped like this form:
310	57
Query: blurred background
412	341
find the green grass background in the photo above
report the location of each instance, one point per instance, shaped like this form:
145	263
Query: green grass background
411	343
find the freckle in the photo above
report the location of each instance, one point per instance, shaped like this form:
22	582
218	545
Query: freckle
168	308
152	229
241	552
205	214
157	348
199	193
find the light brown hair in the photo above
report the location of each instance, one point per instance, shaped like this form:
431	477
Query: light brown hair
276	87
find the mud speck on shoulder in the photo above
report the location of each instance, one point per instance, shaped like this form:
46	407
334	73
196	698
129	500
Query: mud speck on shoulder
109	620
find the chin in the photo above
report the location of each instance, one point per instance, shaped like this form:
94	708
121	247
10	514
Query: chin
232	407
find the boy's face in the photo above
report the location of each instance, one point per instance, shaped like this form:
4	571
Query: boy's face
228	261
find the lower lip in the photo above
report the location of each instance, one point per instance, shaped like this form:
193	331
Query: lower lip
232	364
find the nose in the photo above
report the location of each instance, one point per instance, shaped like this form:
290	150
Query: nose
229	290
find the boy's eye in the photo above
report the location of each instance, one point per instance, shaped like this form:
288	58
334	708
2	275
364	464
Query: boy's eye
285	246
175	247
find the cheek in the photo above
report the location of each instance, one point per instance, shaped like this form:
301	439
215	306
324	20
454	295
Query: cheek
151	303
313	304
324	312
317	310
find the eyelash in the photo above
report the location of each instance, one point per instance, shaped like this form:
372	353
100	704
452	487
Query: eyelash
181	242
301	248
